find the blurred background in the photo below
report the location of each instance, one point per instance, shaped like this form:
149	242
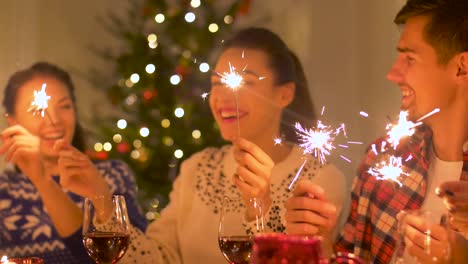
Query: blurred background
146	61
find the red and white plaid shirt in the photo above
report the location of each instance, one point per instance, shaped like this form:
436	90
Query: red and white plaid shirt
371	229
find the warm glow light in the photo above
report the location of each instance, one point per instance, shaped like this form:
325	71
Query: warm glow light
159	18
122	124
228	19
150	68
179	112
213	27
128	83
196	134
152	37
107	146
135	154
137	143
178	153
168	141
195	3
117	138
134	78
165	123
153	45
97	146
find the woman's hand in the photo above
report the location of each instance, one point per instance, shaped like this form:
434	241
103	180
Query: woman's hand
253	174
22	149
308	212
78	173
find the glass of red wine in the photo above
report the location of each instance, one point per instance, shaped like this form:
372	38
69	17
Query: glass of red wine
106	228
235	233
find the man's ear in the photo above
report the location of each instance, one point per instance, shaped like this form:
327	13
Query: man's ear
463	66
286	94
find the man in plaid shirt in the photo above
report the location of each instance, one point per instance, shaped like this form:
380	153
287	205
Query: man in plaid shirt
431	71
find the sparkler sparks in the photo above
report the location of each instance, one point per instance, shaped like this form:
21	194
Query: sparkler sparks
39	104
401	129
391	170
318	142
204	96
232	79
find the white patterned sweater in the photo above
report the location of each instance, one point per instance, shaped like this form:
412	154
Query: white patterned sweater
187	230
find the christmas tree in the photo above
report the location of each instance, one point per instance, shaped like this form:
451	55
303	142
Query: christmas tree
160	79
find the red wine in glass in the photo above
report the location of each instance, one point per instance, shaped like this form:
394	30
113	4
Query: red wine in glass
106	228
106	247
236	249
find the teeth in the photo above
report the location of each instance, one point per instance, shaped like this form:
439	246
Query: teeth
228	115
406	93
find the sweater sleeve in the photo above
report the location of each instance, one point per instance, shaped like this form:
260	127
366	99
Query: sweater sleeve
160	244
123	179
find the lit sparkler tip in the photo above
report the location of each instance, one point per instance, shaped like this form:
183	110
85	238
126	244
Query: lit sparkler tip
204	95
391	170
39	103
278	141
232	79
323	111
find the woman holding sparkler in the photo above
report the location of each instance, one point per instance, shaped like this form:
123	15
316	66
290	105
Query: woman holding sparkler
258	92
39	216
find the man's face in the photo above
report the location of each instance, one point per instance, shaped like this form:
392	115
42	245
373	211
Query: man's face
425	83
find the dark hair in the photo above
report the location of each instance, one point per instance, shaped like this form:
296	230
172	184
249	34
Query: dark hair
447	29
287	68
42	69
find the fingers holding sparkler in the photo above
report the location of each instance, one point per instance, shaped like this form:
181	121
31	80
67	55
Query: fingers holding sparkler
308	211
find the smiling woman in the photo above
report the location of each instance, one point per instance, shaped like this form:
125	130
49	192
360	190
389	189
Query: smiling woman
41	198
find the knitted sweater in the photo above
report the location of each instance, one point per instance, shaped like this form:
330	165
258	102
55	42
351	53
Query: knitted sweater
27	230
187	230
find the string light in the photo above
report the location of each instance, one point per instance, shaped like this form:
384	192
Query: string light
190	17
195	3
144	131
228	19
213	28
134	78
122	123
175	79
107	146
97	146
178	153
150	68
159	18
196	134
179	112
204	67
165	123
137	143
117	138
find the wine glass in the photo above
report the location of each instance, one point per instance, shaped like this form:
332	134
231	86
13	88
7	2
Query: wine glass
106	228
430	219
234	238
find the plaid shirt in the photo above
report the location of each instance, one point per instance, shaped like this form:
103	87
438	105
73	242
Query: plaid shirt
371	228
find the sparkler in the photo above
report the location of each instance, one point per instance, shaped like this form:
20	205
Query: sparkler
317	141
39	103
392	169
